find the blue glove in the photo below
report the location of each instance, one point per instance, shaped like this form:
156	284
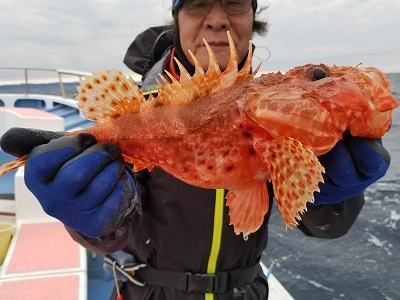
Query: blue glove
350	167
83	184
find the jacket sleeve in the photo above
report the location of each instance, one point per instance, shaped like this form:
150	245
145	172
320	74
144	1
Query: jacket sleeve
105	244
331	221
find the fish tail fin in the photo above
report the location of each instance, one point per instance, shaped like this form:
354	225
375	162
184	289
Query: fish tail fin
7	167
247	208
295	173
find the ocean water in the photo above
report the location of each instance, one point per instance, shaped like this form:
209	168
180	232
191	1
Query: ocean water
362	265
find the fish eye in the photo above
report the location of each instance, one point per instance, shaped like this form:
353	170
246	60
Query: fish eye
319	73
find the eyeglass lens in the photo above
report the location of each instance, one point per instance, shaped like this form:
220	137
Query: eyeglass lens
203	7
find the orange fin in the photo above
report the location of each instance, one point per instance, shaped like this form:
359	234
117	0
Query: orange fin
7	167
138	164
247	208
108	94
190	88
295	173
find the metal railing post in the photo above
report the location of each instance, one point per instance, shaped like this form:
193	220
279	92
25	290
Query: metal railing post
26	82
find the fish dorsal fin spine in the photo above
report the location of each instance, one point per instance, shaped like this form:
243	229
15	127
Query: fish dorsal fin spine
109	94
189	88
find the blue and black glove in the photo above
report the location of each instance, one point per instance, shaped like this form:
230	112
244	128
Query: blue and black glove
350	167
83	184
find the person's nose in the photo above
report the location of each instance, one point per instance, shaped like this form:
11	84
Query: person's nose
217	18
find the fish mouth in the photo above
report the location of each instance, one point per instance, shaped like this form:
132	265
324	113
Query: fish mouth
372	74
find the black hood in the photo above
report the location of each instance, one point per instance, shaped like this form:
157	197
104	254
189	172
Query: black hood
152	44
148	48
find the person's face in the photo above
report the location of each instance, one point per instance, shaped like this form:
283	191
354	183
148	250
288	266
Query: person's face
213	27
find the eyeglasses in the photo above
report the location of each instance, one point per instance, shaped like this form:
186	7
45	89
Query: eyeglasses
203	7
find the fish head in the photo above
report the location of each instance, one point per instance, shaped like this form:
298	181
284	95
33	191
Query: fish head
361	94
375	91
317	103
371	80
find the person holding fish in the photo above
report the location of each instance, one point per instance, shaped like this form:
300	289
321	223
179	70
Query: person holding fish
164	238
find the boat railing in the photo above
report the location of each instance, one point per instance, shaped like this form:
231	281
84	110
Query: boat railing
58	72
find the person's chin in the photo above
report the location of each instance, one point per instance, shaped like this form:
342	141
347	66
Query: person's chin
221	53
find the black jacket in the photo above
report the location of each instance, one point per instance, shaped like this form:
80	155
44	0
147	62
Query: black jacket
171	226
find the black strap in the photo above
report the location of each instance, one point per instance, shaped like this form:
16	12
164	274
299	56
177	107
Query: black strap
221	282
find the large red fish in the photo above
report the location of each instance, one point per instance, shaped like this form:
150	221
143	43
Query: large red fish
234	131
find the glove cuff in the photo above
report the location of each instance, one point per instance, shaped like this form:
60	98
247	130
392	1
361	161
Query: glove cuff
126	206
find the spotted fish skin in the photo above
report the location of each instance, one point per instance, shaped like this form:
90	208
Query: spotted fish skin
198	142
235	131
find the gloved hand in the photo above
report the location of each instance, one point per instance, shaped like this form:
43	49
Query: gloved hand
350	167
81	183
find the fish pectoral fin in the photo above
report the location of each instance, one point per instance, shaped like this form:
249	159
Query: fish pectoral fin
7	167
295	174
247	208
138	165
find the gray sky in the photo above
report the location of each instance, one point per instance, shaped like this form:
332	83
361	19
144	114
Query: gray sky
89	35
